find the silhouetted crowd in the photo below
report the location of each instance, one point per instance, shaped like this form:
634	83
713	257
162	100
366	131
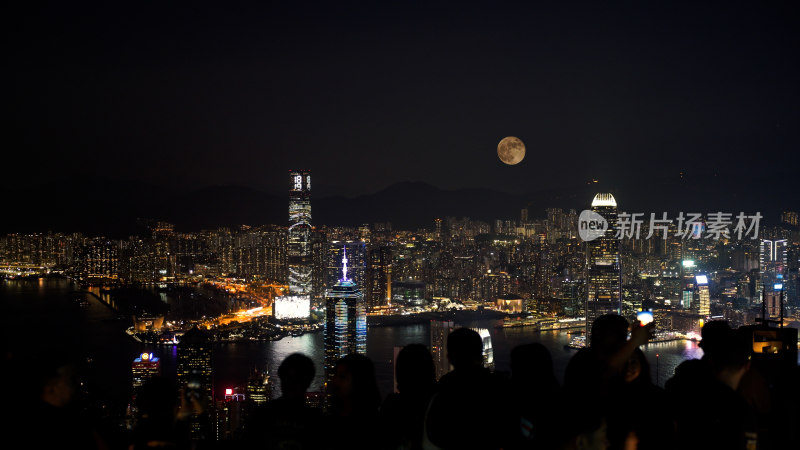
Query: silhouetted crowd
608	400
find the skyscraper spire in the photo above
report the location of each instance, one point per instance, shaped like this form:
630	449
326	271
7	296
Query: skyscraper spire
344	263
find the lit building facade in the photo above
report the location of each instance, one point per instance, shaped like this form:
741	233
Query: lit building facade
101	262
143	368
790	217
603	265
299	252
772	262
195	373
488	351
292	307
378	285
703	296
356	262
440	329
345	321
259	389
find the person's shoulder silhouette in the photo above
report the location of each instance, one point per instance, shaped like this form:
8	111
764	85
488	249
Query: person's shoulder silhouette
287	422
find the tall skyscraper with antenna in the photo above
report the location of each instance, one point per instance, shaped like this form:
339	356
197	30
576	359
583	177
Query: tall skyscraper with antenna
299	252
345	321
602	265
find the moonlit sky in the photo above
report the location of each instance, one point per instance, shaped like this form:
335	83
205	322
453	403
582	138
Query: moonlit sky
192	95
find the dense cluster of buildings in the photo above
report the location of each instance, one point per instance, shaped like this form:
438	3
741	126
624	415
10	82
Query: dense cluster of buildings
454	263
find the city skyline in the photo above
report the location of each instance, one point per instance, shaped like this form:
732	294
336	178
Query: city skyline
436	225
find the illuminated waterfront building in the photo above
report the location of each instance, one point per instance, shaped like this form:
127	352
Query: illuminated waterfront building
345	321
292	307
299	252
409	292
510	303
603	265
143	368
440	329
488	351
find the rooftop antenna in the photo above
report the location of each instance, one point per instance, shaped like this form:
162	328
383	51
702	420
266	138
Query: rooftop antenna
344	263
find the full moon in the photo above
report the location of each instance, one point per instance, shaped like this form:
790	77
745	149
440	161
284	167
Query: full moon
511	150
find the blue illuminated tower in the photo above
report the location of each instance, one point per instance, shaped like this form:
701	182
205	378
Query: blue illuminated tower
345	321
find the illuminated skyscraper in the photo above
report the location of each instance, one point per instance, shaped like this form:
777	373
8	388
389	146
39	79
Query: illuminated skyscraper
194	362
603	270
143	368
772	261
703	296
379	276
299	253
259	389
345	321
356	262
195	375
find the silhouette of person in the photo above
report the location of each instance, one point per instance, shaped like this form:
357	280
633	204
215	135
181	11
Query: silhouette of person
533	385
644	417
468	409
54	419
692	375
354	404
597	374
403	413
158	423
287	422
723	419
596	368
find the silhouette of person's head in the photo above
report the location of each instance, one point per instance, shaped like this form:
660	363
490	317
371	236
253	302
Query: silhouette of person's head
353	388
609	332
414	369
716	336
464	348
296	373
732	359
532	363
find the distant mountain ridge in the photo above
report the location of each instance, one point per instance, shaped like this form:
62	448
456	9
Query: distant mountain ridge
100	206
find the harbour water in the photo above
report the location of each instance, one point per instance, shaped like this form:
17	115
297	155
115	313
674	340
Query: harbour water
45	314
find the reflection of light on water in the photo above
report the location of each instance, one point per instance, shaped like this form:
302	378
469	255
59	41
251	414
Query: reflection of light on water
664	357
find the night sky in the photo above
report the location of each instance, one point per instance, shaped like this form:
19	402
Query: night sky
370	94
